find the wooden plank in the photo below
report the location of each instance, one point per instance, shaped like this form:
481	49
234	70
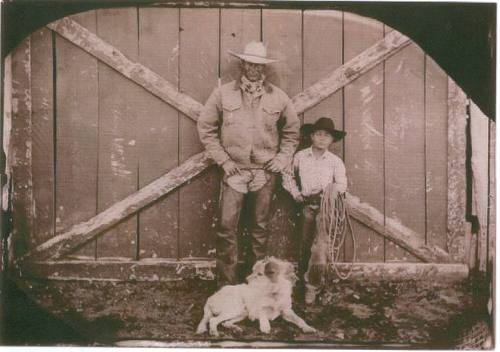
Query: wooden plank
457	115
480	176
492	195
364	123
112	56
77	123
157	133
404	144
22	178
83	232
199	62
238	28
393	230
351	70
323	34
282	33
436	151
6	201
118	115
42	134
161	270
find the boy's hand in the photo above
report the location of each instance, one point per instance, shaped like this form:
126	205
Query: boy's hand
298	198
230	168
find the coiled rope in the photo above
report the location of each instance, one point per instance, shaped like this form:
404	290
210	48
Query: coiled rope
335	222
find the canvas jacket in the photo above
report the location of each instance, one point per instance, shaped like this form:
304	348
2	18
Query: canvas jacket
230	127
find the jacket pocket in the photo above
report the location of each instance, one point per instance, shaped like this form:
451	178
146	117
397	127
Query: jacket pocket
230	112
271	114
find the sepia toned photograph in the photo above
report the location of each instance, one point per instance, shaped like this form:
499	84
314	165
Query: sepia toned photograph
251	174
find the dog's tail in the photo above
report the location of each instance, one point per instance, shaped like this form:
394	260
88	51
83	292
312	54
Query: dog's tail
207	314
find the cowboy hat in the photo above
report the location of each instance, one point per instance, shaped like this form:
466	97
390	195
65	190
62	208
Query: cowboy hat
326	124
255	52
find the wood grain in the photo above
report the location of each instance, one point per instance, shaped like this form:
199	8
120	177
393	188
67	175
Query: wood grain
118	123
77	123
436	151
158	131
456	227
404	144
199	61
42	84
364	124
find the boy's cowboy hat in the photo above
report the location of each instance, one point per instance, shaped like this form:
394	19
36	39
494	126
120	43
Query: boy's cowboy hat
255	52
326	124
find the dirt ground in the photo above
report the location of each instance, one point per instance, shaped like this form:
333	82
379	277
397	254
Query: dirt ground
412	313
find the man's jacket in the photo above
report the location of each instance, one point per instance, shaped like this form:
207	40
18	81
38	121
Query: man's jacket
250	134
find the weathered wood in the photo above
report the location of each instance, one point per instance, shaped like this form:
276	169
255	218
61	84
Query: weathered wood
77	123
457	115
165	91
199	61
138	73
492	195
383	49
237	28
6	179
61	244
323	34
43	134
436	152
396	232
480	175
22	178
404	137
119	118
161	270
157	134
282	33
364	143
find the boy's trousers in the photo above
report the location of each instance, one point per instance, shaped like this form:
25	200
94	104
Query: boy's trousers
313	247
231	203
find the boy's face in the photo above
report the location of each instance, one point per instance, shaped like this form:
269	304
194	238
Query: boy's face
321	139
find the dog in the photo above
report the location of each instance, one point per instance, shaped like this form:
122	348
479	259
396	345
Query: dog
266	296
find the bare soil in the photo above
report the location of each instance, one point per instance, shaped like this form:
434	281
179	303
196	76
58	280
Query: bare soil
409	312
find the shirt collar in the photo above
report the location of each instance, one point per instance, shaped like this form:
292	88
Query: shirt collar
310	153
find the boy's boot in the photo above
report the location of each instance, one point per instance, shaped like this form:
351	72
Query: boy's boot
310	295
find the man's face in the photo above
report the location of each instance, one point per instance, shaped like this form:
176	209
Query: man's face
252	71
321	139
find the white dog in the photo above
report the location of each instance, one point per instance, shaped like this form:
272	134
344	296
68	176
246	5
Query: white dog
267	295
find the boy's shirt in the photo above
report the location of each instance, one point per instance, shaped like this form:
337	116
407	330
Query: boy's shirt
314	173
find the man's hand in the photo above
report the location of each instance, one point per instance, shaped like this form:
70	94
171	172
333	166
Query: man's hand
273	165
298	198
230	168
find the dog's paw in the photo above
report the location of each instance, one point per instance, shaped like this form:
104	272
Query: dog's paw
201	330
214	332
308	329
266	329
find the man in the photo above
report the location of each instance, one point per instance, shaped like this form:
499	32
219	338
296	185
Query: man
250	128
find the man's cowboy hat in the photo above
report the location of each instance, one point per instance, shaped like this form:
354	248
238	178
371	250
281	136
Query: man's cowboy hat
326	124
255	52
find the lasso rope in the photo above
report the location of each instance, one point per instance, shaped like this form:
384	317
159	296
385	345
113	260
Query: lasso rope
334	223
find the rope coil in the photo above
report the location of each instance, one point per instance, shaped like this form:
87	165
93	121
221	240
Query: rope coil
334	223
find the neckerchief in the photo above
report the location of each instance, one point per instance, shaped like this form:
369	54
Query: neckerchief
252	88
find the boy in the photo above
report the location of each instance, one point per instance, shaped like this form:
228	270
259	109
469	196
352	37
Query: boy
313	169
